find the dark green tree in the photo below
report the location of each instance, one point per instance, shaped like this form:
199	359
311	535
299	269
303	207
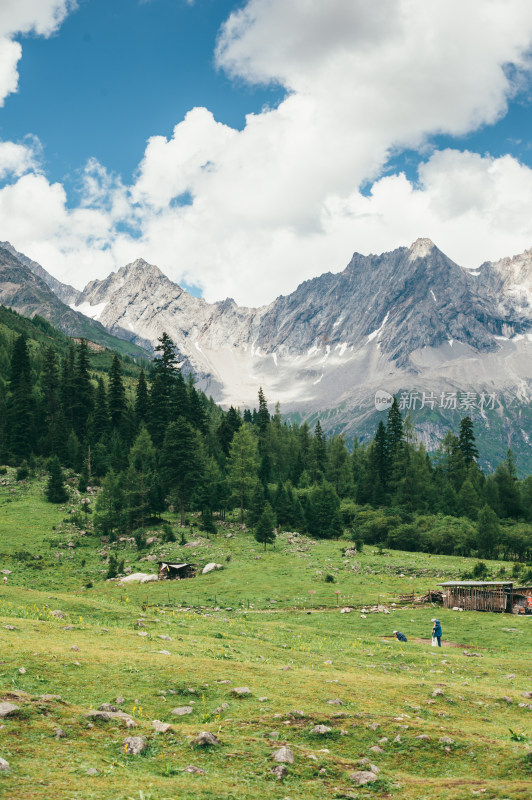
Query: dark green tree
264	529
466	440
181	463
117	396
55	488
487	532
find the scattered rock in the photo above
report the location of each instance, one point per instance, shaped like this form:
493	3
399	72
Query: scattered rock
4	765
437	692
362	777
280	771
376	749
59	733
283	756
75	648
10	627
298	714
22	670
192	770
241	691
206	739
6	709
49	698
164	652
272	735
506	699
134	745
107	716
335	702
210	568
119	700
526	694
92	771
162	727
182	711
165	637
446	740
142	633
139	577
321	729
58	614
346	610
423	737
221	708
108	707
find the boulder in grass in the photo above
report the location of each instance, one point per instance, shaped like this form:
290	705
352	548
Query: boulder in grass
192	770
321	730
446	740
376	749
162	727
57	614
182	711
4	765
134	745
241	691
362	777
6	709
280	771
49	698
206	739
284	756
108	716
210	568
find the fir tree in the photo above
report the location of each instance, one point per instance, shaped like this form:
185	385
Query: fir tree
117	396
487	532
141	400
466	441
243	465
181	462
20	406
83	394
100	418
55	488
264	529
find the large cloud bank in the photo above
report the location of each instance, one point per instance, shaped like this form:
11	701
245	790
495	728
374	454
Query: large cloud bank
250	213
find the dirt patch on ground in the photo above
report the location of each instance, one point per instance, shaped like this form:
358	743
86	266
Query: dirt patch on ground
444	642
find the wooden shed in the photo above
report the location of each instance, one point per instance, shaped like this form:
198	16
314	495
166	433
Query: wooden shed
478	595
172	572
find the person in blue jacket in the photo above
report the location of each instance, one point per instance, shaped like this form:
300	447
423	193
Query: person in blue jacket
436	630
400	636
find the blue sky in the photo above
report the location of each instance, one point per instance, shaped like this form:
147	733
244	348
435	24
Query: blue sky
244	147
118	72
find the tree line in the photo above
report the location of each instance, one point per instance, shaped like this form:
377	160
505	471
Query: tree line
156	442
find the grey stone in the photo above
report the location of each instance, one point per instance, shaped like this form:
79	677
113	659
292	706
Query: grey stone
182	711
284	756
4	765
241	691
162	727
192	770
321	729
206	739
280	771
134	745
6	709
362	777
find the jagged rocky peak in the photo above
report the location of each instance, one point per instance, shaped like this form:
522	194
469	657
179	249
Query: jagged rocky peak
421	248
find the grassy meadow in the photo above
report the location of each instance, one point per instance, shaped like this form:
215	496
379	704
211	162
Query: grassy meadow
248	625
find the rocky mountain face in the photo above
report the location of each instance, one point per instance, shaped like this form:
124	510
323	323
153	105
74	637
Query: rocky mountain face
409	322
25	291
67	294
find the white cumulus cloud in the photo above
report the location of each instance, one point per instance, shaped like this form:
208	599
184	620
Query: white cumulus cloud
250	213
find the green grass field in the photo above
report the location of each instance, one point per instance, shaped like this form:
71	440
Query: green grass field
248	625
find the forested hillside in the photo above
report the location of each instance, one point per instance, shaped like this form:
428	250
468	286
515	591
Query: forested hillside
152	441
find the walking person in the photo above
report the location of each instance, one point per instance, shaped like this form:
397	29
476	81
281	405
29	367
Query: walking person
436	631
